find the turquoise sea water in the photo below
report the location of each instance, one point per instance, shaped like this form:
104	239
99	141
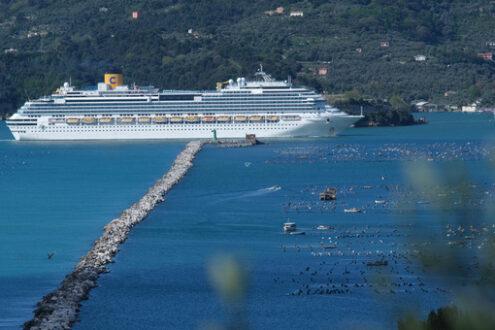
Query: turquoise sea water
55	197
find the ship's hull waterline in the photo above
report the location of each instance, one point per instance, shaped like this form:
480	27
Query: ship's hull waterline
313	128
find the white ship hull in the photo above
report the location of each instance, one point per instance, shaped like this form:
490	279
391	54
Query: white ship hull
318	127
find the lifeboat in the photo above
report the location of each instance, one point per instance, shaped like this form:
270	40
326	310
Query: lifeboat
176	120
126	120
160	120
291	118
88	120
241	119
224	119
256	119
144	120
72	121
273	119
208	119
192	119
106	121
56	120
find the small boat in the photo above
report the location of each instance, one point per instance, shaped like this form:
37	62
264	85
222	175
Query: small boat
176	120
160	120
328	247
105	121
273	119
289	227
209	119
126	120
72	121
322	227
192	119
353	210
224	119
144	120
377	263
88	120
56	120
291	118
297	233
256	119
241	119
381	202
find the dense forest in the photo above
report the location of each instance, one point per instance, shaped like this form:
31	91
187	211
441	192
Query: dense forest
336	46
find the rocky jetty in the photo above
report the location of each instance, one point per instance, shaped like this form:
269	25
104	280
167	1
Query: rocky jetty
58	309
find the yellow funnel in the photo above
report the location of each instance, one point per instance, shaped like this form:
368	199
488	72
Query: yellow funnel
114	80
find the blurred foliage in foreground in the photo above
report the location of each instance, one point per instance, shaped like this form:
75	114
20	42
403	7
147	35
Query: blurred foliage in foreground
464	259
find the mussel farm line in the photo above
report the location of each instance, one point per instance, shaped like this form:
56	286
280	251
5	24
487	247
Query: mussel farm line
59	309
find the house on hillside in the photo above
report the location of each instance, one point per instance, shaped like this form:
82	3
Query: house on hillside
490	43
486	56
359	50
135	15
384	44
449	93
279	11
296	13
322	71
469	108
420	58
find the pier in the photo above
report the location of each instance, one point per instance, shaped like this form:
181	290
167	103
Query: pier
59	309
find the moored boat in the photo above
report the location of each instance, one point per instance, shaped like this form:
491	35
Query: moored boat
224	119
106	121
176	120
256	119
291	118
144	120
192	119
72	121
88	120
160	120
209	119
126	120
241	119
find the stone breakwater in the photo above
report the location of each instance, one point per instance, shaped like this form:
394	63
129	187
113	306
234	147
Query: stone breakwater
58	309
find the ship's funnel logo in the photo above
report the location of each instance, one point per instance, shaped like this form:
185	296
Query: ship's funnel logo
113	80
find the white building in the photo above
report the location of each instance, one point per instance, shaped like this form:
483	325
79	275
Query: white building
469	108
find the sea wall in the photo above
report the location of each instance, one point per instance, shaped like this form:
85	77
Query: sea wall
58	309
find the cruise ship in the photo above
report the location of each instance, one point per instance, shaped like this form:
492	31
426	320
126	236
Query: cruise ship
264	107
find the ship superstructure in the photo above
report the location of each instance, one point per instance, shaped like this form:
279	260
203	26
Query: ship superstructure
266	108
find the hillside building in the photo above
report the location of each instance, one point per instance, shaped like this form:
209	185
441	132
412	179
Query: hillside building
486	56
296	13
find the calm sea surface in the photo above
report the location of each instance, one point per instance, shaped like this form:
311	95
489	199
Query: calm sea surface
56	197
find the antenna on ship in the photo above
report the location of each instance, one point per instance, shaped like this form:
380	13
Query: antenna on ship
361	111
27	95
266	77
